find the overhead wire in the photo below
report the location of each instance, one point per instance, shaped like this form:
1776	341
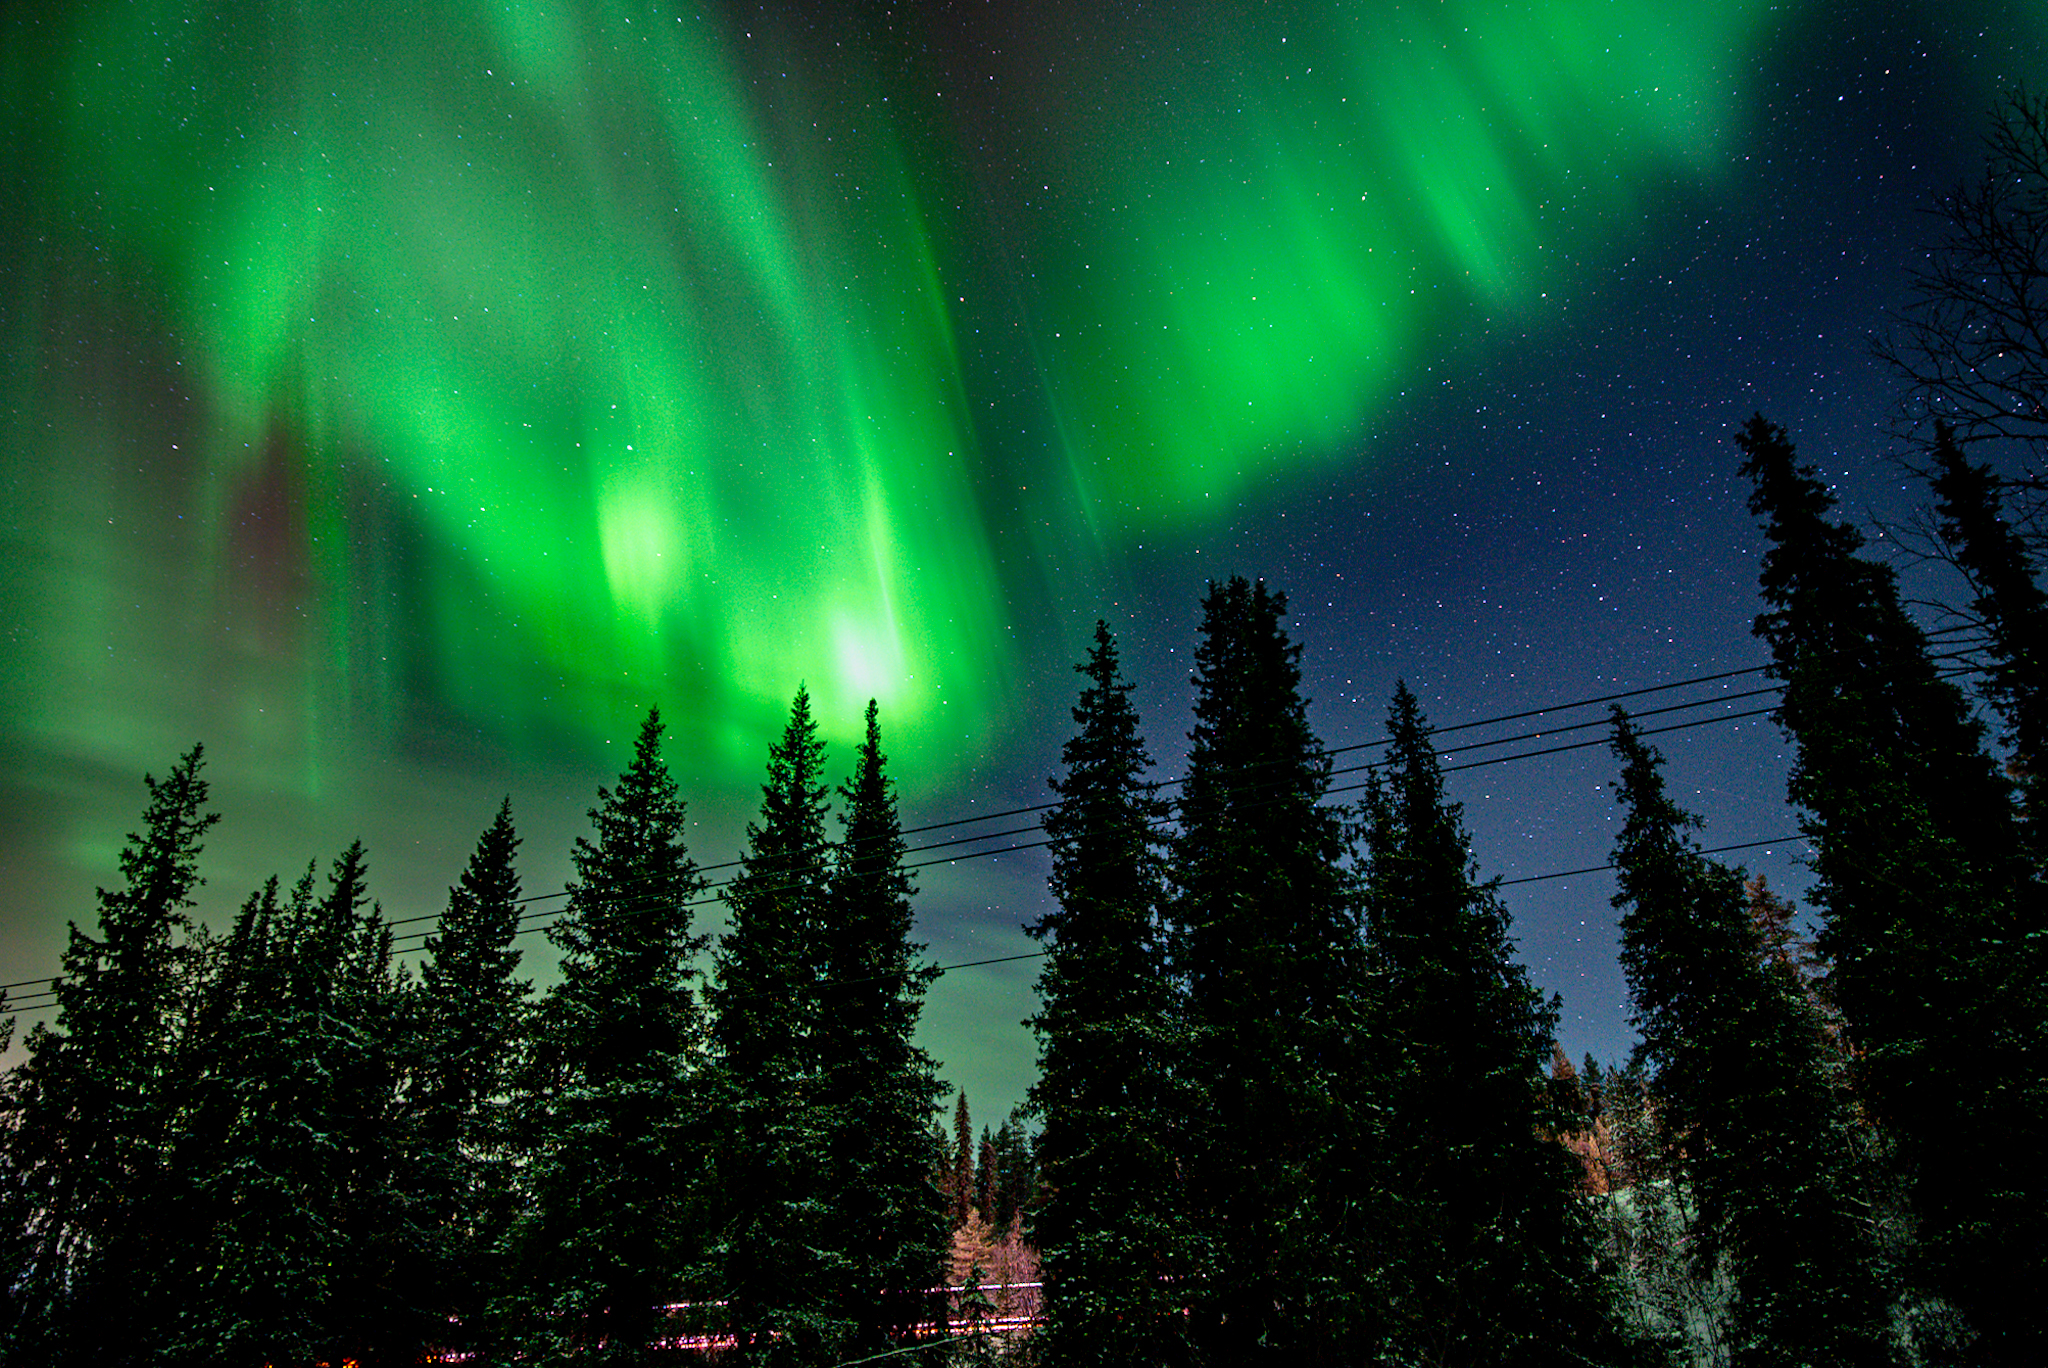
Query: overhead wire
552	916
940	969
46	997
1334	750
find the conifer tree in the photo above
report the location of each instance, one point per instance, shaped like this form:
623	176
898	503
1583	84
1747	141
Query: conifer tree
381	1309
472	1021
1753	1112
987	1185
885	1222
88	1117
1932	924
1492	1252
292	1156
960	1165
765	1034
261	1153
1265	939
1110	1231
220	1065
615	1148
1014	1181
2010	604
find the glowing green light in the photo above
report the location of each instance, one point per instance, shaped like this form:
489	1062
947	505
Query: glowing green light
606	373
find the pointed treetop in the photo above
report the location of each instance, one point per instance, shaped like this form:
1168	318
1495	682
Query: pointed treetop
871	791
647	766
1105	757
161	862
473	942
793	799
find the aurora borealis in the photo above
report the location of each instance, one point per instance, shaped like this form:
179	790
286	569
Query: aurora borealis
399	399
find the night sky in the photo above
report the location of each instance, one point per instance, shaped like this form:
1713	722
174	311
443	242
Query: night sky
400	399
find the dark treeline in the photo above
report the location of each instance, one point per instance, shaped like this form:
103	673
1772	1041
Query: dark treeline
1291	1084
1297	1102
1292	1089
278	1146
1293	1105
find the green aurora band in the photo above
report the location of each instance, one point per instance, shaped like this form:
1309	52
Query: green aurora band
513	365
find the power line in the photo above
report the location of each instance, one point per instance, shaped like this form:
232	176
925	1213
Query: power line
938	969
1336	750
703	901
1361	745
554	915
46	998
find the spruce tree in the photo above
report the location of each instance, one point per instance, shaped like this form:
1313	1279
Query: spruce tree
615	1149
959	1186
224	1055
382	1310
472	1020
1492	1250
1013	1160
1649	1225
987	1185
89	1115
1932	923
2008	601
765	1034
298	1210
1265	940
1110	1232
1754	1114
262	1151
884	1219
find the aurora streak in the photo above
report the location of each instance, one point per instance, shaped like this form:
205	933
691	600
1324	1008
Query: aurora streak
598	352
399	399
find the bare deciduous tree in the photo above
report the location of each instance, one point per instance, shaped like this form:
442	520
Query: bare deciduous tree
1973	343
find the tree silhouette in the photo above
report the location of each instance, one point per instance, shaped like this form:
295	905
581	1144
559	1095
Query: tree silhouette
1973	344
613	1120
1111	1230
1932	922
88	1115
885	1222
1265	940
1490	1249
767	1048
473	1016
1754	1113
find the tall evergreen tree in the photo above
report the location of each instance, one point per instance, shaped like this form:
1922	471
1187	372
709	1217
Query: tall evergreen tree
2008	600
1265	939
885	1221
1753	1111
88	1117
1932	924
472	1022
381	1311
1110	1231
297	1208
959	1185
262	1151
616	1150
1492	1252
1649	1225
1013	1174
765	1034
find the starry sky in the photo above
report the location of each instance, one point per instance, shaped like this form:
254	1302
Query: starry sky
400	399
